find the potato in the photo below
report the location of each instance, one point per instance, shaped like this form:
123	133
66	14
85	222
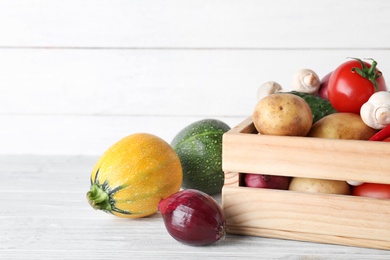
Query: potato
319	186
282	114
342	126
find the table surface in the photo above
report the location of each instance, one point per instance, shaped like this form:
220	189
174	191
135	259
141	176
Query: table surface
45	215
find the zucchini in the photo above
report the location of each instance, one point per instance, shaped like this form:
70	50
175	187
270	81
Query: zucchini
199	147
319	106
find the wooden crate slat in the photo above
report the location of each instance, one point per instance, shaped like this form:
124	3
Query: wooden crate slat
305	157
323	214
326	218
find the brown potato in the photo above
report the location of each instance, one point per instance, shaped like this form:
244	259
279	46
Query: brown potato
282	114
319	186
342	126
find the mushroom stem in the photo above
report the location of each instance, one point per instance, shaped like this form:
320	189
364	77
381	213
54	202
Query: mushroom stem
376	111
307	81
382	115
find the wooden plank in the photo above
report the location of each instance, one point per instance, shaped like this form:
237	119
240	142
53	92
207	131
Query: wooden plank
305	157
231	179
195	24
321	217
84	135
47	224
315	217
153	82
309	237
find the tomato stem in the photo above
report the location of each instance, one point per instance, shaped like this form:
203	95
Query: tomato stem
98	198
372	68
370	73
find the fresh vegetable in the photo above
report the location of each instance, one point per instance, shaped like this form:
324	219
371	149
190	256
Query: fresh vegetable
133	175
193	217
342	126
352	84
376	111
320	107
267	88
199	147
373	190
306	81
319	186
266	181
354	183
381	135
282	114
323	91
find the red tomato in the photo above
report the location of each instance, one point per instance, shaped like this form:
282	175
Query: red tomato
386	140
374	190
348	91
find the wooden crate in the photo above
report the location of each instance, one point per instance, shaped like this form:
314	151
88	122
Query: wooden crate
325	218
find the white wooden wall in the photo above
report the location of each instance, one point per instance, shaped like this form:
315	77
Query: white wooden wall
77	75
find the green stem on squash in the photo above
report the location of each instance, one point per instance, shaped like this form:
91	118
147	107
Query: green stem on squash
98	198
368	73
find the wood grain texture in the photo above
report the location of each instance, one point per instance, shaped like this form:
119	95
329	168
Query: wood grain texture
76	76
85	135
322	217
326	218
304	157
163	60
60	100
45	215
153	82
195	24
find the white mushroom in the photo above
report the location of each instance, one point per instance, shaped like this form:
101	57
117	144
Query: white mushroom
268	88
355	183
376	111
307	81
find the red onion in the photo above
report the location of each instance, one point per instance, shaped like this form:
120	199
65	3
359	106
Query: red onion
193	217
323	91
266	181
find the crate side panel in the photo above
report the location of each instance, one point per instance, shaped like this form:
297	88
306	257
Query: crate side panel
307	157
231	179
309	237
333	215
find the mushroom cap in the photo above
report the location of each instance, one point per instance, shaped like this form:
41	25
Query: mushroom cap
307	81
267	88
376	111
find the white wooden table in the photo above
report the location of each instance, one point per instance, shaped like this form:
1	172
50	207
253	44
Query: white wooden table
44	214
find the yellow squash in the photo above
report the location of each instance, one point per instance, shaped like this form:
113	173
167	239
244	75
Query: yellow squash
133	175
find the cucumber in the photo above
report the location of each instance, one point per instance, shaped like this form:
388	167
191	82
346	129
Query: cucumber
320	107
199	147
